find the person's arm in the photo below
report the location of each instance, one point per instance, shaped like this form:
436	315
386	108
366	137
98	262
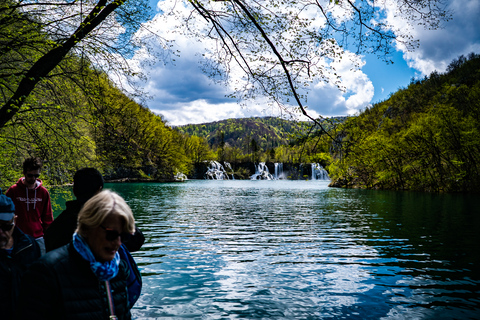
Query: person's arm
136	241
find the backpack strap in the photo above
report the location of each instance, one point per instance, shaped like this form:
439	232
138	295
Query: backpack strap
134	280
111	306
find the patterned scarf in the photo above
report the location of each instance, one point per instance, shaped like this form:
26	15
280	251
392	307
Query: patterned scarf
104	271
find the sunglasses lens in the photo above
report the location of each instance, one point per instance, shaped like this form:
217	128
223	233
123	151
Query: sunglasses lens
33	175
111	235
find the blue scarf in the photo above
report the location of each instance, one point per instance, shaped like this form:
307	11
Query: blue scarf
104	271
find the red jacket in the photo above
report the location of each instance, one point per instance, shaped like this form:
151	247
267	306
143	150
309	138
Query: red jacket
32	207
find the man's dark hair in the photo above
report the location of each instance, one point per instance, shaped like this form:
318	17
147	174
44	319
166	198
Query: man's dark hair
33	163
87	182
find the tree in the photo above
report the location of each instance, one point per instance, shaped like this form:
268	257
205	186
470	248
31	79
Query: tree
55	126
255	149
197	149
55	31
221	145
130	136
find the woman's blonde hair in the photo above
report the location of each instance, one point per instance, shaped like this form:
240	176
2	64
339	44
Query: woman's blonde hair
96	209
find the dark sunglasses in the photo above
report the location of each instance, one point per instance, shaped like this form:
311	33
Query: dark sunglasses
31	175
111	234
6	227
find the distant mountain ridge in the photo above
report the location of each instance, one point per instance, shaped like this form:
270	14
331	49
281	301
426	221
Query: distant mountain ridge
268	132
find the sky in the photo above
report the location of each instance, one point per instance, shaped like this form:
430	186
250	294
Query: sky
183	94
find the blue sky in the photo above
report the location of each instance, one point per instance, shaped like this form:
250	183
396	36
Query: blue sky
388	78
183	94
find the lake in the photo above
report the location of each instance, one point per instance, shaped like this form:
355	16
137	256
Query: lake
300	250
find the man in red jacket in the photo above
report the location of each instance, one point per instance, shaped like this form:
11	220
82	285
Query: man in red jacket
32	202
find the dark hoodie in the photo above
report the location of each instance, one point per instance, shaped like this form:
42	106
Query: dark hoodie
32	207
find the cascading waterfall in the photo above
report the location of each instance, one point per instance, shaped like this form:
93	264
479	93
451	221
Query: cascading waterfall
319	173
216	171
262	173
279	171
229	167
180	177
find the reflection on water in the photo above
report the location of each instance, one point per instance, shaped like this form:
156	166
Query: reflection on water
300	250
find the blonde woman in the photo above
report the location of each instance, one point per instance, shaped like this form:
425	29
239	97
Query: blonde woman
89	277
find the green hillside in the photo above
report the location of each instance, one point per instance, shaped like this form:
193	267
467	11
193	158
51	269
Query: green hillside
425	137
267	132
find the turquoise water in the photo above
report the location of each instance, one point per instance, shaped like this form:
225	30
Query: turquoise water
301	250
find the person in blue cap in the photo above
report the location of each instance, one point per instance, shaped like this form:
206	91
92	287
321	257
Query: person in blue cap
17	252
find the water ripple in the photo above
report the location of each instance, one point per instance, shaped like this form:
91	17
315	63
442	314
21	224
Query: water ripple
299	250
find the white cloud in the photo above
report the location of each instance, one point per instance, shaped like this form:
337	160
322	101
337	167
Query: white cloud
439	47
183	94
201	111
357	89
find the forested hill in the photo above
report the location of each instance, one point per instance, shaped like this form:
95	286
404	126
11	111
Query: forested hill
266	132
425	137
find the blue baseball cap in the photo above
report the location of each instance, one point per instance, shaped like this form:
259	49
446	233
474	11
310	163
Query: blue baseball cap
7	208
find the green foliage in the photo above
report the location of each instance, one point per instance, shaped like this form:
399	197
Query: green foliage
270	132
425	137
59	195
77	118
37	39
263	139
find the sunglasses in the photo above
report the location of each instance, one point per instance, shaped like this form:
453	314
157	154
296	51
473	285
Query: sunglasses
111	234
6	227
31	175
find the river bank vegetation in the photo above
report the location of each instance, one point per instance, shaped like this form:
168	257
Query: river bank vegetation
425	137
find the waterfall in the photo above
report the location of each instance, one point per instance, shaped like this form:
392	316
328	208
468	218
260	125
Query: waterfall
216	171
279	171
180	177
229	166
261	173
319	173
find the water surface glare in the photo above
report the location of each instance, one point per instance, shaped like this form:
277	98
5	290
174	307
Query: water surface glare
301	250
